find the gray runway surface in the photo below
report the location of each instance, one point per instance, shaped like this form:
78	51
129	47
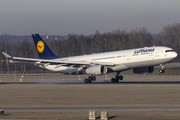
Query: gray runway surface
75	108
121	83
138	97
96	108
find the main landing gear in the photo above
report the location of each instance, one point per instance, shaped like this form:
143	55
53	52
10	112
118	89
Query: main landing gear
89	79
117	78
162	68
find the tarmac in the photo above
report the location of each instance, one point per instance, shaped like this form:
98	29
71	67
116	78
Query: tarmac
44	94
94	108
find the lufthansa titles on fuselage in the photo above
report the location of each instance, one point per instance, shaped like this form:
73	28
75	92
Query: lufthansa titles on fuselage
144	50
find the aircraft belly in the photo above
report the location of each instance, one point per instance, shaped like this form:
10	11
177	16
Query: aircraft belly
63	69
119	67
160	61
147	63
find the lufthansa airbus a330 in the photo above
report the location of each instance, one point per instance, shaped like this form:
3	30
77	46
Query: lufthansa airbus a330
141	60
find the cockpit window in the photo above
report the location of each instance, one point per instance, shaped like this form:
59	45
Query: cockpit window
169	51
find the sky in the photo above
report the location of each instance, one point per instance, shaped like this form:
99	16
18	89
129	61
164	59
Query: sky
60	17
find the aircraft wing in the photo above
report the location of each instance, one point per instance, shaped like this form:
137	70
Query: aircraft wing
47	61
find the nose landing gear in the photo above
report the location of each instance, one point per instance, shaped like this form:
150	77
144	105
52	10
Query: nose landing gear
162	68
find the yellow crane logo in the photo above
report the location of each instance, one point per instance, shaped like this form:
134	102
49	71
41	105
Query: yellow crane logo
40	46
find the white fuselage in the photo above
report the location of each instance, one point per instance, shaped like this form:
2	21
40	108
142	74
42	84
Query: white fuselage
122	60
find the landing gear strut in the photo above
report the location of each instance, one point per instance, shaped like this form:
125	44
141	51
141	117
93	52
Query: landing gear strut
117	78
162	68
89	79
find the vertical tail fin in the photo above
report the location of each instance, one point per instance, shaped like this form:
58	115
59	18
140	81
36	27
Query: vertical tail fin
42	49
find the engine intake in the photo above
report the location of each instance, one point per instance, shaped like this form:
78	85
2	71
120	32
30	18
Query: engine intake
96	70
144	70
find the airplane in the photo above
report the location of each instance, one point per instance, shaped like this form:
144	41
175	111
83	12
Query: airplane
141	60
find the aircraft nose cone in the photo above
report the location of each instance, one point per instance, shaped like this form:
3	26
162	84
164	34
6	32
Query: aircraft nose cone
175	54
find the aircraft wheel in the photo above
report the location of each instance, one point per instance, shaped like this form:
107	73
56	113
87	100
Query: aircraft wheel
86	81
90	81
116	80
121	77
117	77
162	71
113	80
93	78
90	78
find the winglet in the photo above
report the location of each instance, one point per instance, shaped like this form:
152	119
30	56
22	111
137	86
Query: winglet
6	55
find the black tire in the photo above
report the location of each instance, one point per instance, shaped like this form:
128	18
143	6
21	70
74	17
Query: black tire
86	81
89	81
162	71
93	78
117	77
116	80
90	78
113	80
121	77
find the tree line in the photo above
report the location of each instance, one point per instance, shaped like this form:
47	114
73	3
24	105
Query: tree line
79	44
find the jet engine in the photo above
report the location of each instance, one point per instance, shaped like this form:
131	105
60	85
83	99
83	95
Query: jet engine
144	70
96	70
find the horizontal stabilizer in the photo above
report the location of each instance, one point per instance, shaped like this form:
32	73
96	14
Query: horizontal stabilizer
6	55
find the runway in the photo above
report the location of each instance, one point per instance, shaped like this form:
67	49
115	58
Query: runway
131	98
71	83
95	108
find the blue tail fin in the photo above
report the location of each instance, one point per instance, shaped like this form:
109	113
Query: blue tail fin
42	49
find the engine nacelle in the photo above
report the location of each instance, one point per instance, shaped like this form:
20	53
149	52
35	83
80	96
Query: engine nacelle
144	70
96	70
